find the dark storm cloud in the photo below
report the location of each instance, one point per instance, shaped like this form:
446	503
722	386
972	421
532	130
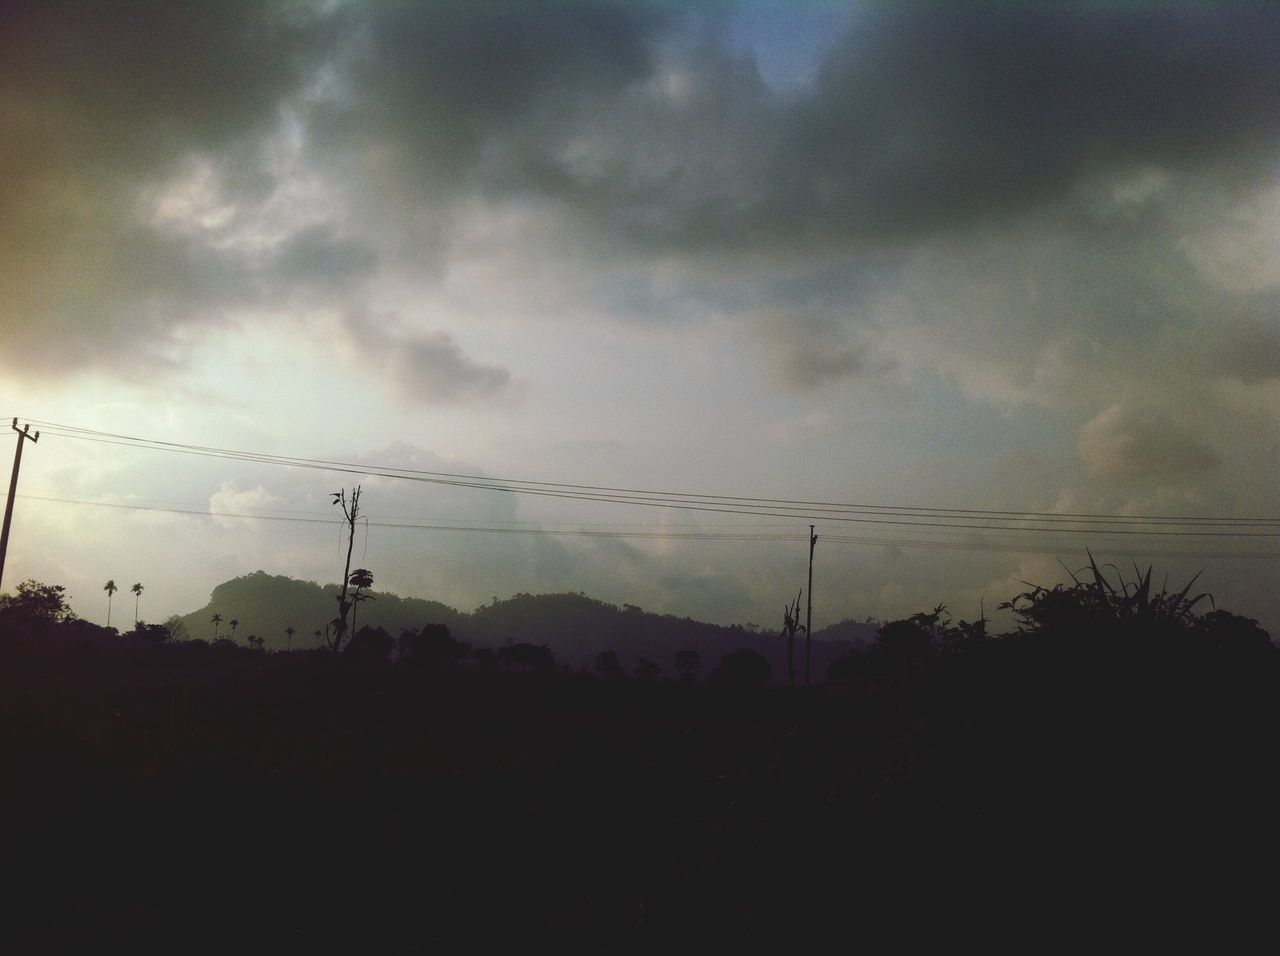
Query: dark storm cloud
925	117
104	105
950	114
634	129
97	101
432	83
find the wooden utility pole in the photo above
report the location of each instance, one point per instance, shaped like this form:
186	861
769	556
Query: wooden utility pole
24	433
808	621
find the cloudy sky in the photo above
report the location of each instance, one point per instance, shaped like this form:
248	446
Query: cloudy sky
1023	258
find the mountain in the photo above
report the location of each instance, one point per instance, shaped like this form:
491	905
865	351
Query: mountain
266	604
574	626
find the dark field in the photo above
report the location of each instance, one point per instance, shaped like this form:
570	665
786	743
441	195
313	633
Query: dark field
198	799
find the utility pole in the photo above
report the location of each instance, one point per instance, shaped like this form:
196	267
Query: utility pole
808	621
24	433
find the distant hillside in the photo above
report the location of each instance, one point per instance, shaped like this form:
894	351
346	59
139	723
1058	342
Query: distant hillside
854	632
574	626
266	604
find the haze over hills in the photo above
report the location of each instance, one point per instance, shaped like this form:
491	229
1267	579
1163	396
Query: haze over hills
574	626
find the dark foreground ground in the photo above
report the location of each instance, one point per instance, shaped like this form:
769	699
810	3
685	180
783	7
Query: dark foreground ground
191	800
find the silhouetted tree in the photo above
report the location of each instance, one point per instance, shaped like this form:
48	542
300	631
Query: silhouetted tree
256	642
743	666
688	663
151	633
289	632
137	596
318	634
36	603
647	669
111	589
791	624
351	513
370	645
361	580
233	624
215	621
530	657
608	666
433	646
177	628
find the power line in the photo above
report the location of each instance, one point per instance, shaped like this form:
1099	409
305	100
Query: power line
1049	548
896	516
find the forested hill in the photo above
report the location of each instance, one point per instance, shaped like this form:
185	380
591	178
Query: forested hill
574	626
267	604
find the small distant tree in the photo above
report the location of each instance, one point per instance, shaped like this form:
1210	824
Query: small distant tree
745	667
791	625
647	669
151	633
111	589
370	645
177	628
688	663
362	580
529	657
607	665
433	646
319	634
289	632
216	620
256	642
137	597
233	624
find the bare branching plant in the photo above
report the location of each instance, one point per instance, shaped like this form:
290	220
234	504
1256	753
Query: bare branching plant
350	513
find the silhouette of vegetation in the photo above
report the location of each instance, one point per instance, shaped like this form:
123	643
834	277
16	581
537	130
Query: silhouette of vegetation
688	663
111	589
745	667
1082	772
150	633
528	657
370	645
608	665
351	514
216	621
791	624
177	628
34	603
432	647
137	598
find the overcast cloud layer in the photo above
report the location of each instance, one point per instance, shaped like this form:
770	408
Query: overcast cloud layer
1022	257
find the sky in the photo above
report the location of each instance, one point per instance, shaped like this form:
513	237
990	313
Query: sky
1019	257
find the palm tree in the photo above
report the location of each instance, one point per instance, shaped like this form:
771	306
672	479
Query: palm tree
137	596
317	638
110	588
290	631
215	621
361	579
233	623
